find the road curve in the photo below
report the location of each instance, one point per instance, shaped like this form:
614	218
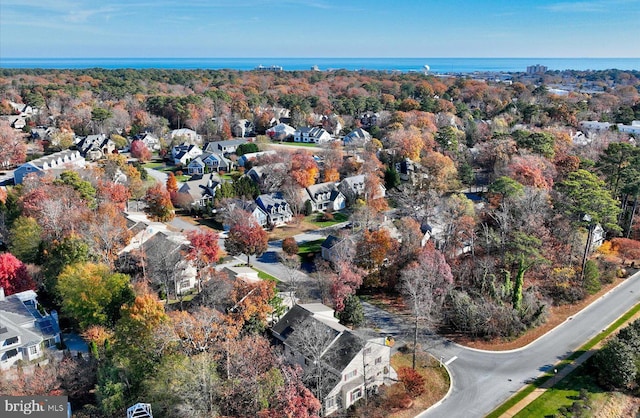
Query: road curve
482	380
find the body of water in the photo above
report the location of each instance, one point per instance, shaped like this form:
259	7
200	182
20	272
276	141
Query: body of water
436	65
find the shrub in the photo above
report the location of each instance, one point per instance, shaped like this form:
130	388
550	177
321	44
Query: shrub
412	380
396	397
326	217
591	277
290	246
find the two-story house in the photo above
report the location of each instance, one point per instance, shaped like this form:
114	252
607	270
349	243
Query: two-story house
95	147
277	209
186	135
358	137
312	135
25	330
209	162
201	189
354	187
339	366
225	147
281	132
182	154
325	196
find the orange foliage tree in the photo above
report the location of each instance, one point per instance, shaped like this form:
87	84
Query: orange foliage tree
304	169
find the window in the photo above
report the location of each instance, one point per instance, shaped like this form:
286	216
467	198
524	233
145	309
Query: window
355	395
10	341
378	360
33	350
330	403
367	351
351	375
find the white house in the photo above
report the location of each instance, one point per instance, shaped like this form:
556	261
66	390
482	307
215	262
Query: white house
280	132
25	332
277	209
357	137
344	365
252	156
326	196
354	187
313	135
186	135
67	159
184	153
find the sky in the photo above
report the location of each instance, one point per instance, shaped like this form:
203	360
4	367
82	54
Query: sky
319	28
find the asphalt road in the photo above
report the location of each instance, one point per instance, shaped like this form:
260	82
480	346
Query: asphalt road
482	380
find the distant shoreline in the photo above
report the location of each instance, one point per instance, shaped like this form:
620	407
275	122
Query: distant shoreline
436	65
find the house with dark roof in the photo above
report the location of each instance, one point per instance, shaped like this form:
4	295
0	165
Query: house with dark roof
25	329
94	147
208	162
339	366
184	153
276	207
62	160
325	196
313	135
201	189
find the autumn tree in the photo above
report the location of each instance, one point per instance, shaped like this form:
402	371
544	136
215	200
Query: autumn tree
441	172
424	284
290	246
159	204
106	229
246	237
91	294
374	248
13	149
172	184
304	169
14	277
203	251
345	283
140	151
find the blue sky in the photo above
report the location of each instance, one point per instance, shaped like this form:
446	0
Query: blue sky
319	28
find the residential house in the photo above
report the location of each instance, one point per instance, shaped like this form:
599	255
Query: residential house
339	366
185	135
277	209
244	273
281	132
23	109
633	129
225	147
252	156
335	248
182	154
242	128
259	215
95	147
354	187
369	119
594	126
201	189
260	174
166	265
42	133
314	135
359	137
326	196
150	140
57	161
209	162
18	122
25	329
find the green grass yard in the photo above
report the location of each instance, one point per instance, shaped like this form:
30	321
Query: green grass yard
315	219
310	247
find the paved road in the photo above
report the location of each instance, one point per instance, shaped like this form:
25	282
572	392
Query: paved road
483	380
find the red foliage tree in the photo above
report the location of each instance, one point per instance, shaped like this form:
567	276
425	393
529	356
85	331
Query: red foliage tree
13	150
345	283
412	380
14	277
159	203
290	246
293	399
140	151
118	194
247	237
627	248
172	184
204	251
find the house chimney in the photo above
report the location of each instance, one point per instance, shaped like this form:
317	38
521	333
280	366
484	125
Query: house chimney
1	293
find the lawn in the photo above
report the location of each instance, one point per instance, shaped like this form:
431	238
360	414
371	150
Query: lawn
310	247
436	376
315	219
300	144
266	276
564	394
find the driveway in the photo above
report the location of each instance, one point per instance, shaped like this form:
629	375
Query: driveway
482	380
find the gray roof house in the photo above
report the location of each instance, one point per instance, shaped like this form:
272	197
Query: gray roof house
188	135
253	156
225	147
277	209
24	331
357	137
281	132
165	263
339	366
201	189
209	162
325	196
312	135
60	160
184	153
94	147
353	187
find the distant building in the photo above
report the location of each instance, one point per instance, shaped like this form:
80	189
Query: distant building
270	68
536	69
